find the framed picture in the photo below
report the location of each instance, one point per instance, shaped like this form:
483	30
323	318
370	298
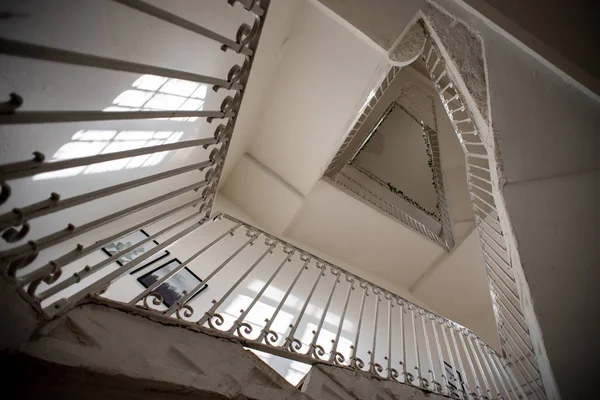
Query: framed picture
176	286
450	376
127	241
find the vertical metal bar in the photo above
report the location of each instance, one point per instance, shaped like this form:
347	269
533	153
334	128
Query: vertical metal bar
461	335
428	348
488	388
527	381
291	343
356	362
87	270
315	350
160	281
510	377
266	333
487	354
391	372
119	272
449	349
239	322
334	355
207	317
374	367
460	363
173	19
416	342
179	304
433	320
81	251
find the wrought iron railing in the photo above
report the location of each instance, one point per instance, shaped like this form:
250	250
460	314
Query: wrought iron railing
41	249
512	327
275	297
334	172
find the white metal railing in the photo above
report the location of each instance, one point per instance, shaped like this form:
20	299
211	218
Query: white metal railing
41	250
275	297
512	327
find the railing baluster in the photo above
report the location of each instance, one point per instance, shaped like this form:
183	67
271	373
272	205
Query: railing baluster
416	343
173	19
374	367
512	381
181	303
453	365
392	373
29	50
487	387
315	350
335	356
487	355
355	361
451	329
267	334
80	251
151	288
239	322
54	204
434	382
291	343
461	335
446	388
87	270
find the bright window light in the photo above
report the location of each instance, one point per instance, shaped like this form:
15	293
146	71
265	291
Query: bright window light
156	93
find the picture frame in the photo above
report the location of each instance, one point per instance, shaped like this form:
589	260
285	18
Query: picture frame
449	371
176	286
127	241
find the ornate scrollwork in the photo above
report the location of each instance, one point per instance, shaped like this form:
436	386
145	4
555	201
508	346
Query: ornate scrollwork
316	351
374	367
247	329
357	363
337	358
424	382
292	344
152	299
48	279
246	33
437	386
12	235
215	320
392	373
185	311
5	192
271	337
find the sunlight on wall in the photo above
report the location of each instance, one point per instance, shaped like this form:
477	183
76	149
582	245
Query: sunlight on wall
153	93
150	93
92	142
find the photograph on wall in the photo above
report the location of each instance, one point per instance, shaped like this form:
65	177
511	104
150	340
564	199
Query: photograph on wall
126	242
177	286
451	378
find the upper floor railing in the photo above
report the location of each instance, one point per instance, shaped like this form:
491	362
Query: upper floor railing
512	327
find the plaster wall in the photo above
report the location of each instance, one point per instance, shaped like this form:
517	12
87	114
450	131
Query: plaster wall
323	78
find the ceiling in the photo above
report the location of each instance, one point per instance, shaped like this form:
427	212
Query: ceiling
306	109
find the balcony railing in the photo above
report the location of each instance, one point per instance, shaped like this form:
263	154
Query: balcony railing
512	327
275	297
